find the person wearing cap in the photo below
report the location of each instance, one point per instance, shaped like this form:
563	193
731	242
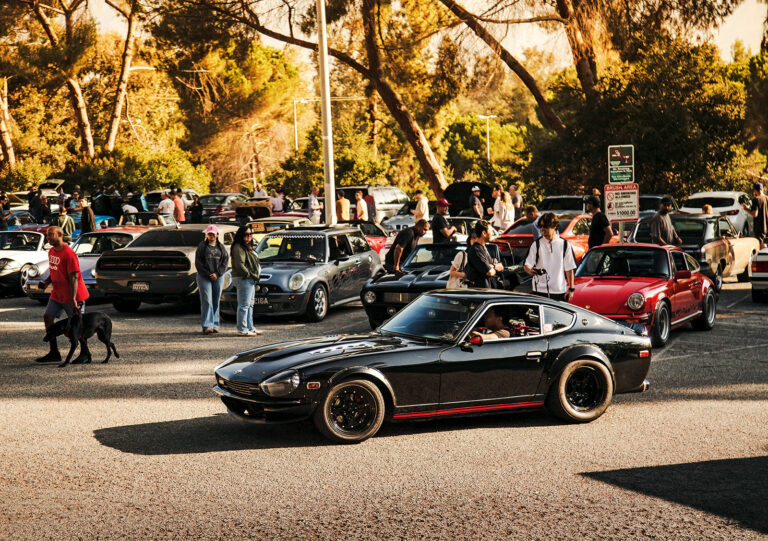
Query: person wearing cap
759	211
441	231
662	230
475	205
165	206
421	212
211	261
600	231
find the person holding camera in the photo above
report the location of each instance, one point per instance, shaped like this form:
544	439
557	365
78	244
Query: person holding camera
551	262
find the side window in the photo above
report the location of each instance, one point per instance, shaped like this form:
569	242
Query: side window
693	265
678	258
359	244
724	227
556	319
339	246
510	321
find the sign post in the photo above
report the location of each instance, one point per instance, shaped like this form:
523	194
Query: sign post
621	170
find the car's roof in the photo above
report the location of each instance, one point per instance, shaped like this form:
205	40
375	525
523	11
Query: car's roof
222	193
23	231
694	216
323	229
492	295
580	197
716	194
119	229
194	227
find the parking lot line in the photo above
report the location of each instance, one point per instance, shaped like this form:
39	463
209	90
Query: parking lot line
737	301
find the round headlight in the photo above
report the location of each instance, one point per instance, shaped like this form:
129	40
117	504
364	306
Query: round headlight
296	281
636	301
282	384
33	272
369	297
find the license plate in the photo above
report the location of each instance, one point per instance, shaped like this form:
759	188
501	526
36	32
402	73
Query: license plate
139	286
261	300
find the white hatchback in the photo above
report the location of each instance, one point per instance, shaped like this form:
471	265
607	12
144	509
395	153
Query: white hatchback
724	204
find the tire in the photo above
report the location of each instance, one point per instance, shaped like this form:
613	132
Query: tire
709	315
582	392
662	326
23	278
351	412
126	306
317	304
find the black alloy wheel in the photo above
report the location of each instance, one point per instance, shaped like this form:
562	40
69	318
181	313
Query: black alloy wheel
662	326
126	305
582	392
317	304
706	321
351	412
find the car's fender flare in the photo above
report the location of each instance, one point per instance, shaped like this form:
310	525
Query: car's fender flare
573	353
367	373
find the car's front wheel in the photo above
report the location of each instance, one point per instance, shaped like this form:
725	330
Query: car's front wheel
317	305
126	305
662	326
709	314
23	276
351	412
582	392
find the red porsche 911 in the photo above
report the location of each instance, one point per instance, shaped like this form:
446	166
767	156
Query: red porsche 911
646	287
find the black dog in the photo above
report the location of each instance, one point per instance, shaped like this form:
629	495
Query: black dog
79	328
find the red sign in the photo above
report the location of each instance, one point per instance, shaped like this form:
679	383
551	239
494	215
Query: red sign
622	202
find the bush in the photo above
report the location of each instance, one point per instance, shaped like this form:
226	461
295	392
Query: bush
27	171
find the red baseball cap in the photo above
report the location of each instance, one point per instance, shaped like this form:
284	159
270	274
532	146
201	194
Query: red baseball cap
443	202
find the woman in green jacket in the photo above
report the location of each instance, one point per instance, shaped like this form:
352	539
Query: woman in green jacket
245	275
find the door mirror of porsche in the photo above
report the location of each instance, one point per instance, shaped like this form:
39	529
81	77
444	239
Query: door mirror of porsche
682	275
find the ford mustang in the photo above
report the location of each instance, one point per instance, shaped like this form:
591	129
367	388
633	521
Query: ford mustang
450	352
647	287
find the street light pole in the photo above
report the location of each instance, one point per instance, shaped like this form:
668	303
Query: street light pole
325	112
487	134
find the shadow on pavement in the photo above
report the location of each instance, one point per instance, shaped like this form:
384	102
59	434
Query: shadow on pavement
735	489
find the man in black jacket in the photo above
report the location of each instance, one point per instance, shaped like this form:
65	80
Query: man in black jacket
211	262
405	242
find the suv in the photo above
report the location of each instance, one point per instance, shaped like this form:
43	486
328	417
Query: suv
724	204
388	199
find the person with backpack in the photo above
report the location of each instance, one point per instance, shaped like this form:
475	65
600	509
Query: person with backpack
457	276
551	262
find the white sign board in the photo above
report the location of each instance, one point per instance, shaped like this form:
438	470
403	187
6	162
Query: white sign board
622	202
621	164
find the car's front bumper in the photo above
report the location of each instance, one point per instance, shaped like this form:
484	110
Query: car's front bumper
277	303
257	411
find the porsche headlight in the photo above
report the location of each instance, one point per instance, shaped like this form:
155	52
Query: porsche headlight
282	384
369	297
296	281
636	301
33	272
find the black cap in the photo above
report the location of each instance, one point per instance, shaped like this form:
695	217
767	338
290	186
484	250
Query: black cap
666	200
592	200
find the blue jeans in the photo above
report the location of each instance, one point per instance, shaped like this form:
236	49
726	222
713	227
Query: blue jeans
210	295
246	291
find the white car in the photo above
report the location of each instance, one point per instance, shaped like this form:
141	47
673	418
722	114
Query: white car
724	204
20	252
758	275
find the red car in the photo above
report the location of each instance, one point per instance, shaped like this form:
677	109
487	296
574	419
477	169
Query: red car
646	287
374	234
515	242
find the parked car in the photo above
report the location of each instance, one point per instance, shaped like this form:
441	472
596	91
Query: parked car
264	226
88	248
425	269
658	288
562	204
388	199
431	360
102	222
758	275
404	217
722	203
20	251
463	225
307	270
459	193
154	197
375	234
17	219
649	203
158	266
709	239
147	219
297	207
215	203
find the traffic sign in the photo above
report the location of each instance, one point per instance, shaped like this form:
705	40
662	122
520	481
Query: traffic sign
621	164
622	202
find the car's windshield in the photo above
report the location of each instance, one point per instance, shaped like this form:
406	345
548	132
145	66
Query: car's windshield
434	317
19	241
97	244
213	199
630	261
294	247
714	202
430	255
148	219
691	232
268	227
575	204
524	226
649	203
169	238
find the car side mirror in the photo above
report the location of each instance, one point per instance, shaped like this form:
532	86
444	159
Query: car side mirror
341	257
682	275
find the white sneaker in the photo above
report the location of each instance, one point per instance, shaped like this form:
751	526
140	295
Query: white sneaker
244	334
255	332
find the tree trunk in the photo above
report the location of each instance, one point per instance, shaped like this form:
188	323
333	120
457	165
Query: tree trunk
579	33
122	83
373	115
429	164
6	143
551	119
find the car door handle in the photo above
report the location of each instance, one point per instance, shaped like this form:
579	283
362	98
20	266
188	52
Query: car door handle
531	355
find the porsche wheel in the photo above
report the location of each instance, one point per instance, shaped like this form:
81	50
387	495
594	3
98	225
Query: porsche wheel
709	314
23	275
317	305
351	412
662	326
126	305
582	392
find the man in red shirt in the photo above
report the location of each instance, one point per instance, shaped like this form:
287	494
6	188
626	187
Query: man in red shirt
69	292
178	206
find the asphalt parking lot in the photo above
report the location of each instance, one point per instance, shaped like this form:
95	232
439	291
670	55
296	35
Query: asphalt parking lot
140	448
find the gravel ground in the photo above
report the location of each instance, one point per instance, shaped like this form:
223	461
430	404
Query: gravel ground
141	448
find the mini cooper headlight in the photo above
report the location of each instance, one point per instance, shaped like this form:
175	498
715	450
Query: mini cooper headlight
636	301
296	281
282	384
369	297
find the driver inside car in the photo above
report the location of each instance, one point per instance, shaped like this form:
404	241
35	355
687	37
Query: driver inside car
493	326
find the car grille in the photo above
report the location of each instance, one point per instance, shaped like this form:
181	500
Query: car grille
240	387
401	298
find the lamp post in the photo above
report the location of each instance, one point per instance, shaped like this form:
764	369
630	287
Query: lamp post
487	134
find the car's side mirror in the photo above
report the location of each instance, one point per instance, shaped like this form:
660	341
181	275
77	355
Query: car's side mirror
342	257
682	275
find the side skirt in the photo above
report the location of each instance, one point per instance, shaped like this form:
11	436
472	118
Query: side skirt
468	410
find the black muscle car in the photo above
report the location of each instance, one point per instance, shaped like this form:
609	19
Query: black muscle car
450	352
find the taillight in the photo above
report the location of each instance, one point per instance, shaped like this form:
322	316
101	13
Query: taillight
116	264
734	212
219	208
644	353
760	266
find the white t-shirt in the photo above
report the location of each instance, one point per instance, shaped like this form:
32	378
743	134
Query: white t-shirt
422	210
259	193
166	206
277	203
551	259
458	264
129	209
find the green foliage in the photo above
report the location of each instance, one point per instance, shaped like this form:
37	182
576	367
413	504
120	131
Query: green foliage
29	171
757	101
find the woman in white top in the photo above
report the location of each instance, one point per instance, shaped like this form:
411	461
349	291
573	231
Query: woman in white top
276	201
503	212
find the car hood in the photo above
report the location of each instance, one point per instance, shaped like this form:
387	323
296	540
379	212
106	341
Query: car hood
609	295
426	277
278	268
24	256
260	363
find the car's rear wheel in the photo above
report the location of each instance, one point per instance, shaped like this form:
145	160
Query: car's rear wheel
351	412
582	392
662	326
317	305
126	305
709	314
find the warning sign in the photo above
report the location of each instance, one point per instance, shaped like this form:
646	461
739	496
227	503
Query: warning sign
622	202
621	164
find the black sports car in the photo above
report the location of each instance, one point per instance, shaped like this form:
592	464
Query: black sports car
456	352
426	269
